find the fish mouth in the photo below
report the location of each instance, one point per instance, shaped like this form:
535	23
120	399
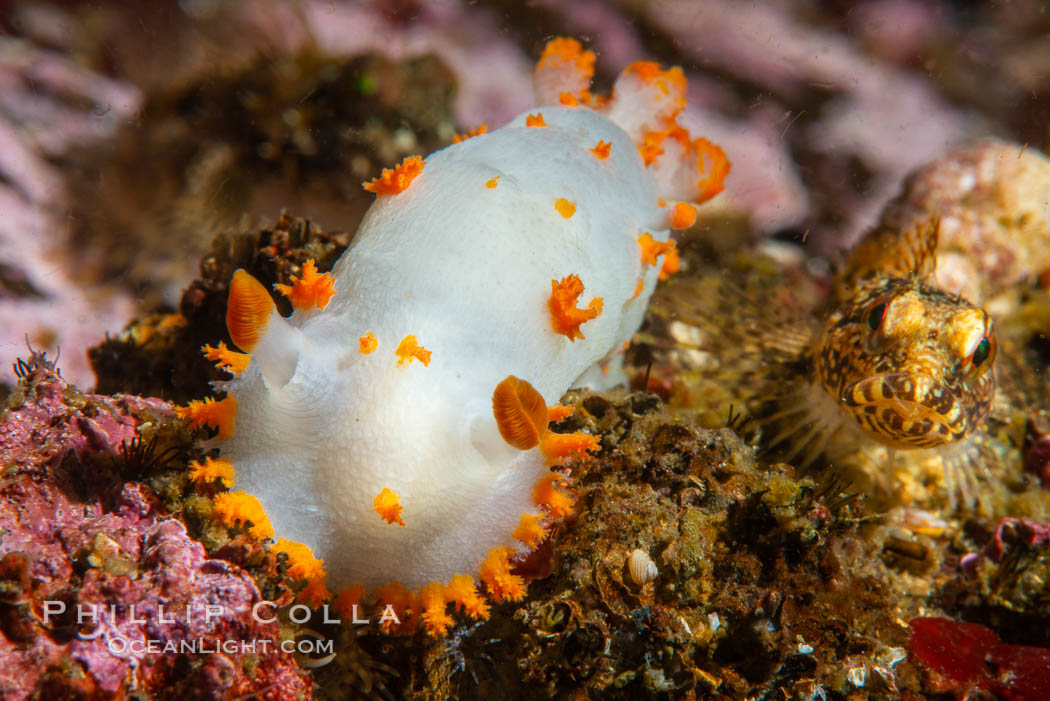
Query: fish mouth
905	410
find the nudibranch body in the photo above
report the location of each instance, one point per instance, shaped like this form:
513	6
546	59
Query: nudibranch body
384	425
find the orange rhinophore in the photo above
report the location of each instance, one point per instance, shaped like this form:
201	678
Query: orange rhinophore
565	207
212	469
520	412
535	120
495	573
463	592
530	531
476	131
393	181
388	505
311	289
410	349
602	150
712	162
546	493
559	447
368	343
248	310
566	318
217	414
683	216
432	600
226	359
233	508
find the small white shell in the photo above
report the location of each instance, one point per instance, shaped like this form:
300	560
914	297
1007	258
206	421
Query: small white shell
642	567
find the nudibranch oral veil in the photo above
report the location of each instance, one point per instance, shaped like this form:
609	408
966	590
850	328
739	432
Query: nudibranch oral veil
396	423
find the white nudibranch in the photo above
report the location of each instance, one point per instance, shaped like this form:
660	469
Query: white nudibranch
393	431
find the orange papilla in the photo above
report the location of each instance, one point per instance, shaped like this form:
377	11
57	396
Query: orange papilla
683	216
226	359
495	573
410	349
559	447
714	166
462	591
651	147
564	50
566	317
602	150
348	598
546	493
209	412
530	531
248	310
388	505
567	99
535	120
368	343
433	603
671	263
309	290
638	288
232	508
482	128
651	248
565	207
396	179
403	602
212	469
520	413
559	412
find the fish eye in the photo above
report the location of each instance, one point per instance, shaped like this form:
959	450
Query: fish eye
876	315
981	352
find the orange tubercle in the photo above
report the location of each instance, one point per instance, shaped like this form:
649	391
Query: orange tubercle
492	182
566	318
558	413
248	310
683	216
232	508
432	600
671	262
565	207
535	120
410	349
476	131
368	343
564	50
212	469
602	150
349	598
462	591
651	147
567	99
651	248
388	505
393	181
559	447
520	413
495	573
309	290
545	493
217	414
530	531
402	601
226	359
712	162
